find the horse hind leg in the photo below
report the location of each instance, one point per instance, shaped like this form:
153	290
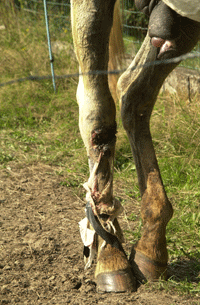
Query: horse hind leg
91	25
138	91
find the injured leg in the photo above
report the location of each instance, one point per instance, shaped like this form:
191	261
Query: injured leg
113	272
91	24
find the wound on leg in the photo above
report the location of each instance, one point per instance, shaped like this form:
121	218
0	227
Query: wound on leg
101	158
103	138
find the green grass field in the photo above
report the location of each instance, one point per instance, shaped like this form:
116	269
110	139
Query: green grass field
38	125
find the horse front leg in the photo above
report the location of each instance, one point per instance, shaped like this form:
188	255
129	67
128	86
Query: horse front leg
91	25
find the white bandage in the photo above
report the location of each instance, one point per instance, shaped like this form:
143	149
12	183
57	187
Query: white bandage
87	236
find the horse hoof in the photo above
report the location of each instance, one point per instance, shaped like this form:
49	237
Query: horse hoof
113	271
146	269
116	281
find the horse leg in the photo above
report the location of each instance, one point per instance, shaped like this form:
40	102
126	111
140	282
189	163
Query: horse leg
91	26
138	90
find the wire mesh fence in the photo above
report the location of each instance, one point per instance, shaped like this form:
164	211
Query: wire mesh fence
134	24
58	10
36	6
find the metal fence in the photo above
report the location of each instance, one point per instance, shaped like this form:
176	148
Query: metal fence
134	23
134	30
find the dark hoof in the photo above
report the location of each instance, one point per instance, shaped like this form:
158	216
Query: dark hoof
116	281
146	269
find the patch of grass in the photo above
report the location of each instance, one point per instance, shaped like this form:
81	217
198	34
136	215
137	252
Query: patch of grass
172	286
176	130
4	158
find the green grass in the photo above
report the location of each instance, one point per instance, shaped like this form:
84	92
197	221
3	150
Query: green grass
37	125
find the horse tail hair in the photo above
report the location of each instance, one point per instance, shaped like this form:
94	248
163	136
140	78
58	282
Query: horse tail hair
116	49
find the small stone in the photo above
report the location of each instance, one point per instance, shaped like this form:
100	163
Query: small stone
5	289
52	278
15	283
7	267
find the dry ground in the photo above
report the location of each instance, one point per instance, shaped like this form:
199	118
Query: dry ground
41	251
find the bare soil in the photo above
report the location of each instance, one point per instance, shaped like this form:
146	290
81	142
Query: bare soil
41	250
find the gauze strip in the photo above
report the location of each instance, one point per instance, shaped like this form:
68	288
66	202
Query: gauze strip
87	236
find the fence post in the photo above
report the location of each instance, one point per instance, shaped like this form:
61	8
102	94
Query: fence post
49	45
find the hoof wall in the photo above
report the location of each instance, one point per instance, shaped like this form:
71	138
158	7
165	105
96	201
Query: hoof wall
116	281
147	270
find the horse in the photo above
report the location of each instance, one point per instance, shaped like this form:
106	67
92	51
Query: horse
170	34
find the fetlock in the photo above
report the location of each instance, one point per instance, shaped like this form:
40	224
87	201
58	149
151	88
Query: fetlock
111	257
113	271
156	211
149	256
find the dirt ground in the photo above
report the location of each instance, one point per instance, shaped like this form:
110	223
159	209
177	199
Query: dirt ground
41	250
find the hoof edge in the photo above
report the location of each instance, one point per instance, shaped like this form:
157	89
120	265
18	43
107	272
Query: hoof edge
146	269
116	281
